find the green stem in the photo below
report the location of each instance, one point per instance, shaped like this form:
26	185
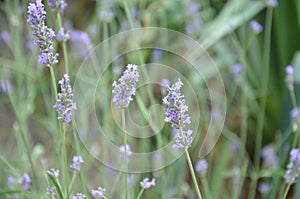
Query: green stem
286	191
64	159
125	152
192	173
53	82
63	45
261	116
140	193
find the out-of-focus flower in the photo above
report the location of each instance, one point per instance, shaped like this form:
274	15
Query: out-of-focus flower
78	196
264	187
51	191
293	167
64	104
237	69
269	157
122	150
201	166
193	26
106	15
146	184
272	3
125	88
256	27
98	193
289	79
57	5
25	181
156	55
53	172
77	162
183	140
62	35
5	36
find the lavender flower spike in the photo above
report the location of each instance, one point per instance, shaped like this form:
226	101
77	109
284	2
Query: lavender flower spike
77	162
125	88
57	5
64	104
183	140
293	167
43	34
176	107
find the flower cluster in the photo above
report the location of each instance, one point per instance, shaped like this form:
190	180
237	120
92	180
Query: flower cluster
176	107
77	162
268	154
57	5
64	104
43	34
99	193
201	166
177	116
62	35
146	184
53	172
25	181
78	196
122	150
51	191
293	167
125	88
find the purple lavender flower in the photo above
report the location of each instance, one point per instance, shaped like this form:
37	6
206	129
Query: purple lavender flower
81	37
128	150
62	35
272	3
156	54
255	26
10	180
264	187
125	88
106	15
293	167
64	104
164	84
201	166
99	193
53	172
5	36
237	69
269	157
176	107
43	34
51	191
77	162
289	80
146	184
193	26
78	196
57	5
294	113
25	181
183	140
192	9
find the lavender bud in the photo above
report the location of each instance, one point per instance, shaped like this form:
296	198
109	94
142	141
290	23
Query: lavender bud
256	27
289	80
57	5
77	162
51	191
293	167
78	196
25	181
201	166
183	140
99	193
125	88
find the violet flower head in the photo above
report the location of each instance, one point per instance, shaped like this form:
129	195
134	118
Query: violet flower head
201	166
183	140
43	34
264	187
293	167
237	69
25	181
64	104
255	26
192	9
272	3
146	184
78	196
77	162
268	154
289	70
62	35
57	5
156	54
98	193
176	107
10	180
5	36
125	87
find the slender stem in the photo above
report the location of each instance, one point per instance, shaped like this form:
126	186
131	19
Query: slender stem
192	173
63	44
125	152
53	82
140	193
286	191
64	159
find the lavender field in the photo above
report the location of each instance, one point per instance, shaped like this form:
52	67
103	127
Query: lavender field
140	99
